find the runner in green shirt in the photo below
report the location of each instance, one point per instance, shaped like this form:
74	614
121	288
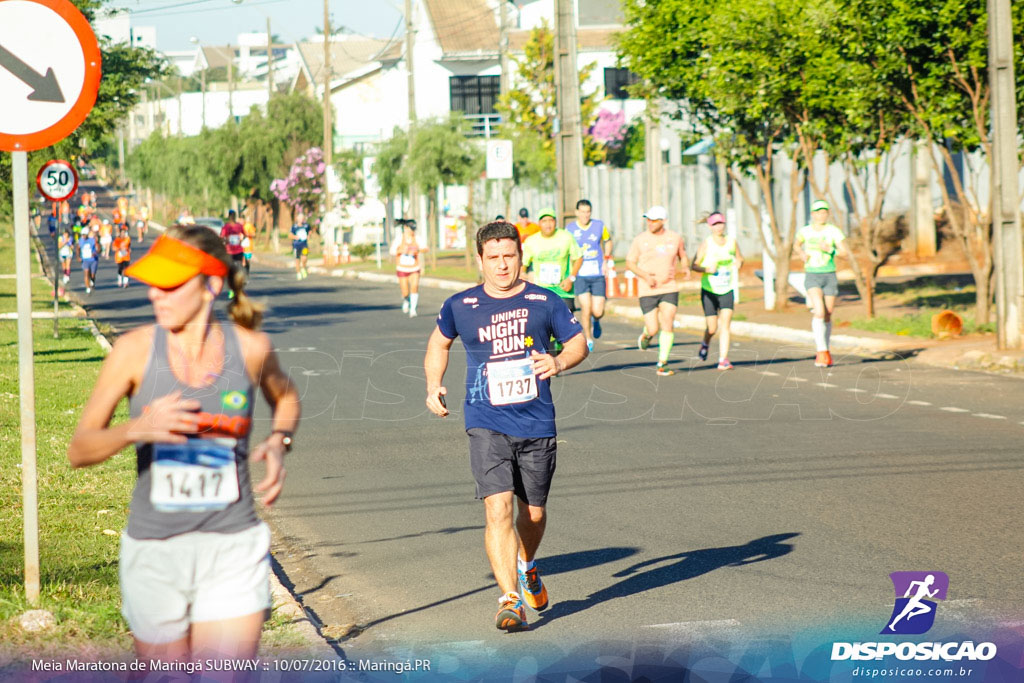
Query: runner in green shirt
556	259
817	244
555	256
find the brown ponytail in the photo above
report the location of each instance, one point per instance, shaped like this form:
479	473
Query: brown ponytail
243	310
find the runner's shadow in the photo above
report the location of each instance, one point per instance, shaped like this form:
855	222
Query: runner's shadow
672	569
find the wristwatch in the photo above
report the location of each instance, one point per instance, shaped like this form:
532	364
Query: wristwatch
572	278
286	440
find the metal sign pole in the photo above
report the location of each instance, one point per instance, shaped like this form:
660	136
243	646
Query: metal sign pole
56	278
26	380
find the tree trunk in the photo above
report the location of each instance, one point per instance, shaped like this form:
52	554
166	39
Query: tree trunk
432	241
781	281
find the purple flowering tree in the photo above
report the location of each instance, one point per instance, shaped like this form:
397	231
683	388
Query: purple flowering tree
609	128
303	188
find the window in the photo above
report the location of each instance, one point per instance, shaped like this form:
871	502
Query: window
615	82
474	94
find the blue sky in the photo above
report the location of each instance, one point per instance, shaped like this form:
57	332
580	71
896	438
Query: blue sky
217	22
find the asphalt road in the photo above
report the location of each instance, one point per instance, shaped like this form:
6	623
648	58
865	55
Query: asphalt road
771	500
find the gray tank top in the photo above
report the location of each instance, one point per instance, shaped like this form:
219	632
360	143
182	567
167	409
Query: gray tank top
193	486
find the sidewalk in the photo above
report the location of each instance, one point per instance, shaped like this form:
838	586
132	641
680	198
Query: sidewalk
972	352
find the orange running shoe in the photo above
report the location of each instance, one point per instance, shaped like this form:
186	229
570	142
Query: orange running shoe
534	593
828	359
819	360
511	615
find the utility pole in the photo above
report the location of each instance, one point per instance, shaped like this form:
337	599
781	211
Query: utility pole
327	233
652	154
231	84
1005	200
202	86
505	83
410	42
179	107
568	124
270	64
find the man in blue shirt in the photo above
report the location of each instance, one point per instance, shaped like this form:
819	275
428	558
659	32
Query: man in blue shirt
596	243
506	325
300	245
87	252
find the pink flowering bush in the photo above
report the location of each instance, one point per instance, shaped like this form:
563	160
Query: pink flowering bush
609	128
303	188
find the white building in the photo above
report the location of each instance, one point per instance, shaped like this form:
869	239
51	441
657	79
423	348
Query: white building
119	29
184	114
456	65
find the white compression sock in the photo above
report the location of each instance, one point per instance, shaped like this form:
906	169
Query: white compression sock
414	299
828	335
818	328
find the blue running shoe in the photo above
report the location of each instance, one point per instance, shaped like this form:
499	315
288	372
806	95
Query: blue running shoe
534	593
596	327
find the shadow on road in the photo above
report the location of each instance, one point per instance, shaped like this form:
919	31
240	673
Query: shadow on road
556	564
673	569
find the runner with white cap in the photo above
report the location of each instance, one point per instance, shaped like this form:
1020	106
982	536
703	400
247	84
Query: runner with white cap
654	257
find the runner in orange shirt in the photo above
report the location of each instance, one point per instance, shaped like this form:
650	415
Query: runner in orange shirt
122	255
107	237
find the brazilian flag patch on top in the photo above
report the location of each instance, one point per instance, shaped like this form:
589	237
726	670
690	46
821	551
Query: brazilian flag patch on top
234	400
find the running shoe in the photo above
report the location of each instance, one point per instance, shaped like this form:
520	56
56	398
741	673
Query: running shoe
511	615
724	364
405	305
828	359
412	314
703	353
298	275
664	370
534	593
596	328
305	273
590	345
820	360
88	290
643	342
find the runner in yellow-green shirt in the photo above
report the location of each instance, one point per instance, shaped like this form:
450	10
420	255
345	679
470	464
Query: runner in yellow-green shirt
556	259
719	259
817	244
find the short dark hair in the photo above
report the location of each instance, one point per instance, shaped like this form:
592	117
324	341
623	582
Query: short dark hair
499	217
497	230
584	202
523	213
231	213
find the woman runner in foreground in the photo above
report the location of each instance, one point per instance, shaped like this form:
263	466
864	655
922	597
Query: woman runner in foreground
194	559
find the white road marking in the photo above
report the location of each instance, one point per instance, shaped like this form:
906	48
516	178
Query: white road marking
919	403
989	416
795	379
769	373
857	391
886	396
698	625
826	385
953	409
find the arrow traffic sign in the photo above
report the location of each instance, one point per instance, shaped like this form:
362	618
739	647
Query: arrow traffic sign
50	69
44	87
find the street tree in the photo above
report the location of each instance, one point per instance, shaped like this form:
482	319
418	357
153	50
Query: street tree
932	57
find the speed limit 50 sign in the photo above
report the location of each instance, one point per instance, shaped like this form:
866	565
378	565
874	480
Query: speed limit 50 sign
57	180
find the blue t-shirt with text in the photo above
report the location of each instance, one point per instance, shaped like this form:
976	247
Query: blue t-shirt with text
590	240
503	331
87	248
300	234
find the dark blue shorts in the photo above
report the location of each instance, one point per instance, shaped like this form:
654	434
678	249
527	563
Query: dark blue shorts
503	463
590	284
90	264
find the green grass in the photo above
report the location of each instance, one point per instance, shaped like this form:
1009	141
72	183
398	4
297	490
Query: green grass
78	561
918	324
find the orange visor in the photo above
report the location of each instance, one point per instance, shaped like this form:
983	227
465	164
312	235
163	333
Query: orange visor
171	262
